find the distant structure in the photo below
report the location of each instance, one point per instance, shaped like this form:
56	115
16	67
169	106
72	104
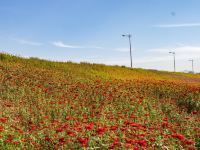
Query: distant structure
129	37
192	60
174	54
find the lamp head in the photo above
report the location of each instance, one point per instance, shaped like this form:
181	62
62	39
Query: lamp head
172	53
126	35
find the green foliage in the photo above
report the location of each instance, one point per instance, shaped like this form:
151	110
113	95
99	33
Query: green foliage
189	103
197	145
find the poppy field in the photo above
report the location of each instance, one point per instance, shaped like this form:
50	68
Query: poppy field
55	105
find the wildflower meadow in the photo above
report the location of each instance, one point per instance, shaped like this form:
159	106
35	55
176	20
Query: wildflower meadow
55	105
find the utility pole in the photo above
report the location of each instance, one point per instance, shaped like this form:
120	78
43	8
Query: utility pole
174	54
192	60
129	37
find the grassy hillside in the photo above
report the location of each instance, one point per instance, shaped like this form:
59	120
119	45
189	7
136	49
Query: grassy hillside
56	105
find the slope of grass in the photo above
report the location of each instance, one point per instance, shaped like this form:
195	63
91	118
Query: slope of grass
56	105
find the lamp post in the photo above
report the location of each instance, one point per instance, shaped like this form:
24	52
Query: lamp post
174	54
129	37
192	60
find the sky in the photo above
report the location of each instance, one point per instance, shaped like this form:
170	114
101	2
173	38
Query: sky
90	31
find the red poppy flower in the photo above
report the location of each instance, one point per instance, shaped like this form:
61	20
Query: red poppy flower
128	145
47	138
194	112
59	130
101	130
178	136
70	133
61	141
142	143
1	128
113	128
83	141
16	142
89	126
191	148
189	142
3	119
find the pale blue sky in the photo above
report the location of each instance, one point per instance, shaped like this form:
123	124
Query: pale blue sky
90	30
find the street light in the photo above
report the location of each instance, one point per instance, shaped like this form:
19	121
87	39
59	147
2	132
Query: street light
174	54
129	37
192	60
